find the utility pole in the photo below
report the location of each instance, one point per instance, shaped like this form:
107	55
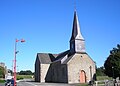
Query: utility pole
15	52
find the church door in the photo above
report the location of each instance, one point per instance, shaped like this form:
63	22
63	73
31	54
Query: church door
82	77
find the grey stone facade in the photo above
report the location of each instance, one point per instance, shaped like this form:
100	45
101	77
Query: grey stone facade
71	66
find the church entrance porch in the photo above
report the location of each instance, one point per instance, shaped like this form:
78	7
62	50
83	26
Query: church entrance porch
82	76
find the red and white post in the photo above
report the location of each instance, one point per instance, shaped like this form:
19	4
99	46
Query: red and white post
15	52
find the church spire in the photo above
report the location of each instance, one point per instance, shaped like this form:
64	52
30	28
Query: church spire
76	34
77	44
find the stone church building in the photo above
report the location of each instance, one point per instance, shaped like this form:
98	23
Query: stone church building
70	66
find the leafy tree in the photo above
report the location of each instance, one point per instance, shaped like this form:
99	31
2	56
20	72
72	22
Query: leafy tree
2	72
100	71
27	72
112	64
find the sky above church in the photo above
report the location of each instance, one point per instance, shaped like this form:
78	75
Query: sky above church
46	25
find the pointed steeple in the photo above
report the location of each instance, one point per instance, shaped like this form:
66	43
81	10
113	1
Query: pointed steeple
76	34
77	44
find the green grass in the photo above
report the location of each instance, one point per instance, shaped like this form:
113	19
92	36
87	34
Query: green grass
2	81
82	85
103	78
24	77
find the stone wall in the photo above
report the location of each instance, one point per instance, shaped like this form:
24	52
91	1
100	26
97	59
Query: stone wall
60	72
37	71
57	73
68	72
77	63
43	72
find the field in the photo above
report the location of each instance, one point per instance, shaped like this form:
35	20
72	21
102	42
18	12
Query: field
103	78
24	77
19	77
2	81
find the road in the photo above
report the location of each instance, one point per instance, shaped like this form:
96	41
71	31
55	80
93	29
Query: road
26	83
2	84
32	83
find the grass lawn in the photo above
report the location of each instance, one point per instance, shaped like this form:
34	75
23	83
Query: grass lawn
24	77
2	81
82	85
103	78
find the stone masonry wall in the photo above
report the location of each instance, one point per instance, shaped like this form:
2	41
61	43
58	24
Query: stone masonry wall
44	70
37	71
59	72
77	63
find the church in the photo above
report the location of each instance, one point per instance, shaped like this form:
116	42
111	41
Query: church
70	66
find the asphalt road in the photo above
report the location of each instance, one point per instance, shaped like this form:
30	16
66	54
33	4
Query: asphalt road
2	84
28	82
41	84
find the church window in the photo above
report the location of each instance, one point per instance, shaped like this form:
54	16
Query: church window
81	56
90	72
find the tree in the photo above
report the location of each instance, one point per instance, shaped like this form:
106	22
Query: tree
27	72
112	64
2	72
100	71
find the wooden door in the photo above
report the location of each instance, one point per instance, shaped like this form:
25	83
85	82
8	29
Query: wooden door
82	77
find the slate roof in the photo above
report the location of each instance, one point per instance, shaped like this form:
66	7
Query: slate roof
46	58
62	55
76	34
